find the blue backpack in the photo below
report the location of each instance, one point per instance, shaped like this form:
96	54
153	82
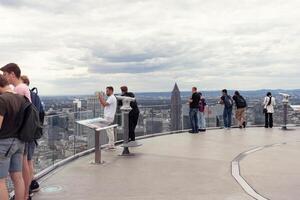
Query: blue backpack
36	101
228	101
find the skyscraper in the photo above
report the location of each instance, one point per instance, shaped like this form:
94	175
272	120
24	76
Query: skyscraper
93	104
176	109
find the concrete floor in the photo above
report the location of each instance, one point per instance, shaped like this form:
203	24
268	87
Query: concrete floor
185	167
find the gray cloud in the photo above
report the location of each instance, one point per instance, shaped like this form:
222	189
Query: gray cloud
243	44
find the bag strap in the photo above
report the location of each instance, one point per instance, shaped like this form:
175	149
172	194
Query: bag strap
35	89
270	101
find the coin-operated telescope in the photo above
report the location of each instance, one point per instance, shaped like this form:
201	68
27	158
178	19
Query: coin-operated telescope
286	97
125	109
285	101
126	102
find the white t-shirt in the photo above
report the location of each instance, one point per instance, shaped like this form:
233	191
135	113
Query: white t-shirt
110	110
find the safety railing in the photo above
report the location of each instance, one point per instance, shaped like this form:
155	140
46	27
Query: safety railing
64	138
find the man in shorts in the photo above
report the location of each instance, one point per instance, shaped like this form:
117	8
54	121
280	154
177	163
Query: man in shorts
12	73
11	148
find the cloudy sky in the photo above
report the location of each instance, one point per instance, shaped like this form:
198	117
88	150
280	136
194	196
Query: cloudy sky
78	47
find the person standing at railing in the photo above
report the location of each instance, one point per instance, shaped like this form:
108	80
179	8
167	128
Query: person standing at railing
269	104
11	148
227	101
133	114
110	108
201	113
241	106
34	186
194	109
12	73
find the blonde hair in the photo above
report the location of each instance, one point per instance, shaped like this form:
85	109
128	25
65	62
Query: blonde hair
25	80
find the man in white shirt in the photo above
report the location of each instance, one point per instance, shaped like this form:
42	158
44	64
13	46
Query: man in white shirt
110	108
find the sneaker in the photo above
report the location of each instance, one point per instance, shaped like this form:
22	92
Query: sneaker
111	147
34	186
202	130
244	124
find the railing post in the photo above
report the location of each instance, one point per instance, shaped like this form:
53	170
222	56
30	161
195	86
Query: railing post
97	148
126	130
285	102
285	113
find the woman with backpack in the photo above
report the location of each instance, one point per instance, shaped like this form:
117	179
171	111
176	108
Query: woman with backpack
241	106
269	103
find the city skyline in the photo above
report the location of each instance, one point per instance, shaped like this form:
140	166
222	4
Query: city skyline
149	45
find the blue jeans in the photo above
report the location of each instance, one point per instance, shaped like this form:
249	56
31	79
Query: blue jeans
194	119
227	116
201	120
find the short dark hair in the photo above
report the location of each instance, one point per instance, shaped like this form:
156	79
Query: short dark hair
25	80
225	91
12	67
124	89
111	88
194	88
3	81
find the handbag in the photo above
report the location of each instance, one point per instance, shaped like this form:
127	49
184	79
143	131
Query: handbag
265	111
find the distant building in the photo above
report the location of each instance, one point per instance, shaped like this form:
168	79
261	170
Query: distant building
176	109
93	104
154	125
186	117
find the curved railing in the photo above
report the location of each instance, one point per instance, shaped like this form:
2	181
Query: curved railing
65	140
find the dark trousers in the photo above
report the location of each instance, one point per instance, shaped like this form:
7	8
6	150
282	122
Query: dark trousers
268	120
227	116
133	120
194	119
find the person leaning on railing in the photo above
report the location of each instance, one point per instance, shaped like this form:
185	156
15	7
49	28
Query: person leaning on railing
241	106
133	114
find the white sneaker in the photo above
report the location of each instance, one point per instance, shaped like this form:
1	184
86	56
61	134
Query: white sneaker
111	147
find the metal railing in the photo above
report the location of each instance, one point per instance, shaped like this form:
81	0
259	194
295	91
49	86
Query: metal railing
64	138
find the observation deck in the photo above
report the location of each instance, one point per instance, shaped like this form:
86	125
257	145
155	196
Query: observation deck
236	164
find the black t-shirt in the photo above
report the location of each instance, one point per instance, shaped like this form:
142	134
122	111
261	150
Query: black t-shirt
195	99
10	106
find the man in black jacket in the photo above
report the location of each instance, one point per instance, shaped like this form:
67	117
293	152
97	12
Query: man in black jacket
134	113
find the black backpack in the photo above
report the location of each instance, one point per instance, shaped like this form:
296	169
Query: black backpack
29	122
241	102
